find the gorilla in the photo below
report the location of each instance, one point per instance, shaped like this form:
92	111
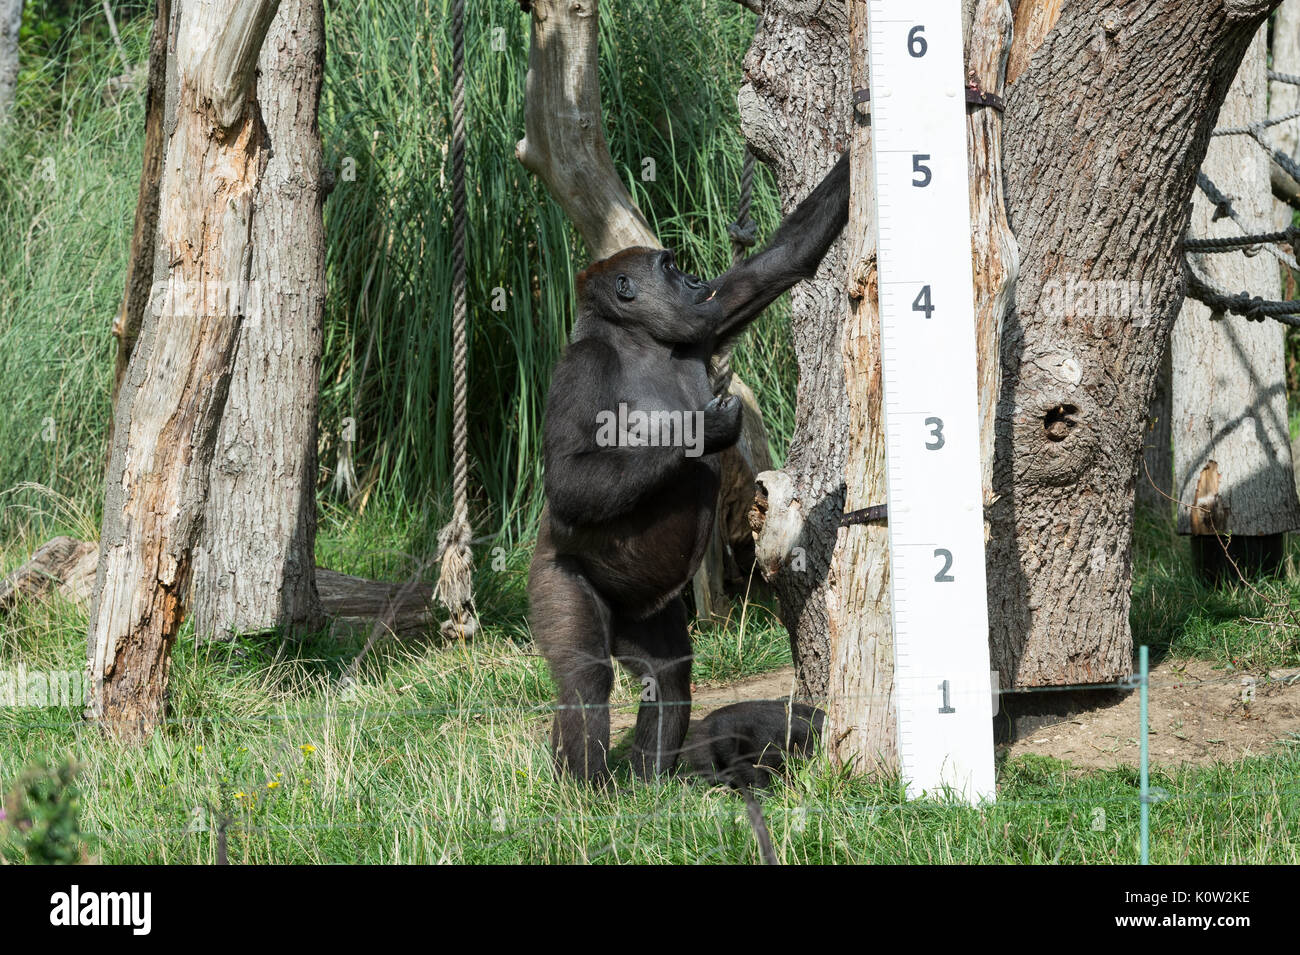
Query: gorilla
744	744
630	448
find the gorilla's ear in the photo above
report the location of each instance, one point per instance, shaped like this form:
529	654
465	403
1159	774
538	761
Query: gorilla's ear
625	288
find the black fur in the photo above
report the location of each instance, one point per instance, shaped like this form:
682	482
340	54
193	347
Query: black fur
625	527
743	745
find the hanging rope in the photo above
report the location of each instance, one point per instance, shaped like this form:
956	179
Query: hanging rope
456	576
744	233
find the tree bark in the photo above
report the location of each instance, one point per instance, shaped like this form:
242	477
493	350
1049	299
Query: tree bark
1033	21
564	139
1232	446
139	267
1155	479
67	566
1104	134
862	713
254	566
795	112
1284	98
170	408
11	19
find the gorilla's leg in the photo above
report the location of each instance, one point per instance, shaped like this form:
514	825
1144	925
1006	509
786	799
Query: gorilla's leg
570	623
658	647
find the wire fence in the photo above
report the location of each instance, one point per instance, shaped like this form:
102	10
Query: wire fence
211	819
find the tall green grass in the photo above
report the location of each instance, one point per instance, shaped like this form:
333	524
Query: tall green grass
669	75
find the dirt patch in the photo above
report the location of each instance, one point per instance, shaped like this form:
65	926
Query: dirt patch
1197	715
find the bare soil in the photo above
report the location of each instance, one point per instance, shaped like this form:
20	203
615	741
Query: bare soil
1198	715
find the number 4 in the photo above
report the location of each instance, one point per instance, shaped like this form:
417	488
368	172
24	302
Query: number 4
922	302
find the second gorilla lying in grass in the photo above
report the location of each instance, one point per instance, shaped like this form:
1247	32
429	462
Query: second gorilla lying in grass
744	744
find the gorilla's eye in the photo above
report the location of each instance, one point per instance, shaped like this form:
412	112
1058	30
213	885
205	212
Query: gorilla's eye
625	288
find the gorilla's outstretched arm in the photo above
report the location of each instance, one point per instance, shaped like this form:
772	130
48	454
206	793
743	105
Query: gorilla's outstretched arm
793	254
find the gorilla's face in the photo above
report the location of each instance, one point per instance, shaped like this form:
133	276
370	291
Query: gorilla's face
643	288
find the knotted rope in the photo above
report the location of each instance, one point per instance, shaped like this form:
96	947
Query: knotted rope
455	588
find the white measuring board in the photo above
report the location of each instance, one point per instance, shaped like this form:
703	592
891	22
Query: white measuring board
927	326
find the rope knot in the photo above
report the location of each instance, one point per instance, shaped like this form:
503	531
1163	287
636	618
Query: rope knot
743	234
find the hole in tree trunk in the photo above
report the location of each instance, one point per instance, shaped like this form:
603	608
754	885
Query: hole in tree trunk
1059	422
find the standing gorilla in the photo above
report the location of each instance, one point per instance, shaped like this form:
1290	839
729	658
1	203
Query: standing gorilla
628	515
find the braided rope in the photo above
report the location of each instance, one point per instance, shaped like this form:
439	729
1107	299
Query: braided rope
455	577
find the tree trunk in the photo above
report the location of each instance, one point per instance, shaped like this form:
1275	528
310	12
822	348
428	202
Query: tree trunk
1033	21
1105	131
862	725
11	19
1155	479
254	566
564	145
796	113
1284	98
139	267
862	709
1232	446
175	387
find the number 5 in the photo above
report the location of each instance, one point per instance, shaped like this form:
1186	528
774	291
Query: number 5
922	169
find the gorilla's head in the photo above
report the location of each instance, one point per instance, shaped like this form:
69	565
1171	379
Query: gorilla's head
640	288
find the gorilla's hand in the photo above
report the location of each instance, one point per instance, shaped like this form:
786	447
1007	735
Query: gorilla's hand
722	422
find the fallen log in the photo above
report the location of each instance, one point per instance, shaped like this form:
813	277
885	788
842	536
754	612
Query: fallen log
66	566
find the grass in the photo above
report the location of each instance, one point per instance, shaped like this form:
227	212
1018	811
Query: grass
438	753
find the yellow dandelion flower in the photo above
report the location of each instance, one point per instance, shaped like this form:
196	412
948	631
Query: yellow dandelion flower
272	785
307	749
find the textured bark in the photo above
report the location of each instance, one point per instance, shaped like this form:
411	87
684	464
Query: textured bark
139	267
1232	447
62	564
1034	20
175	386
564	139
995	257
254	567
1104	134
795	111
1284	98
67	565
1155	479
11	18
861	711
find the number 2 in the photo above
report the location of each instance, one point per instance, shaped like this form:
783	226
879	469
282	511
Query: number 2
943	577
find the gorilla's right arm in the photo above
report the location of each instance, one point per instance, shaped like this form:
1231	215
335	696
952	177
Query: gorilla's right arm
588	483
793	254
